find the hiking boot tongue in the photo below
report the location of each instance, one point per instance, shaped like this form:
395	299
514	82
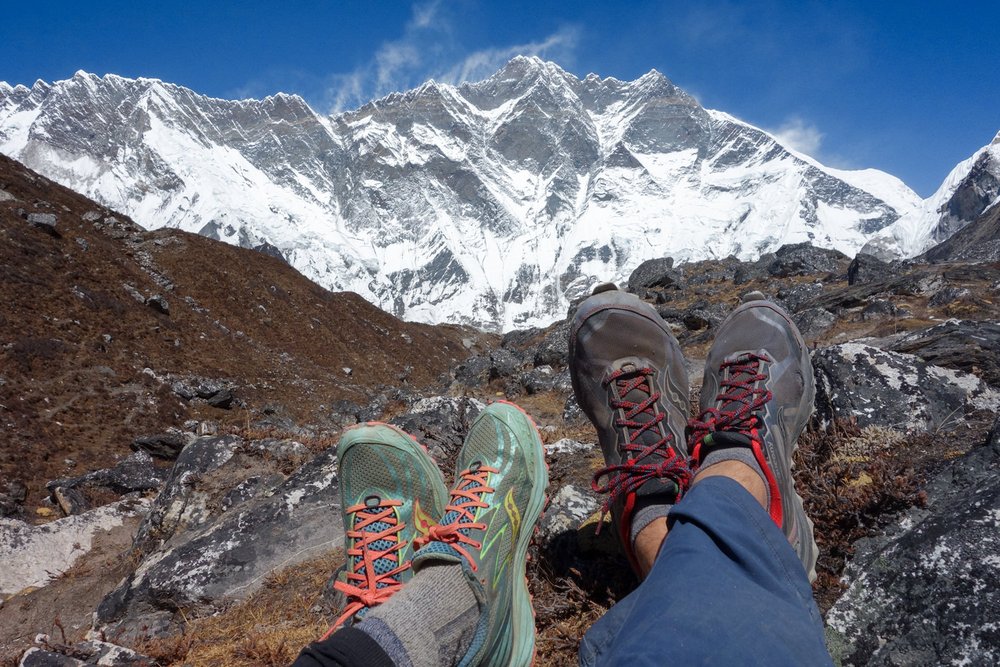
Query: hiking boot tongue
723	439
638	395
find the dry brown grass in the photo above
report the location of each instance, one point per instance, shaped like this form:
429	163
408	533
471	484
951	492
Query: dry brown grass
267	629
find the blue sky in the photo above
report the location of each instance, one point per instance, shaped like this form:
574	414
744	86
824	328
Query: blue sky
907	87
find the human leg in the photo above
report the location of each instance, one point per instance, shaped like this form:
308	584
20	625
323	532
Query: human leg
727	587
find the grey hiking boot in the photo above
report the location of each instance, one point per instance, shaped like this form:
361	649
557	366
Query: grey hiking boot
758	393
630	379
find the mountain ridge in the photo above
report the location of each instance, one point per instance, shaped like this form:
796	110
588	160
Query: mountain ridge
493	203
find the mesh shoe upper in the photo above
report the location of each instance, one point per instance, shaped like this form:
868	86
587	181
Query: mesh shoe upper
391	493
497	499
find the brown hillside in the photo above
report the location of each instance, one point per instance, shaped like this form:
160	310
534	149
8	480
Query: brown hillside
78	328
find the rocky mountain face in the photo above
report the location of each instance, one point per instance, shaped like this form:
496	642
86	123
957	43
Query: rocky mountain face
171	404
971	191
495	203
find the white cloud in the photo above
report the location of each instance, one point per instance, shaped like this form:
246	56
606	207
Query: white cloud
799	135
480	64
428	49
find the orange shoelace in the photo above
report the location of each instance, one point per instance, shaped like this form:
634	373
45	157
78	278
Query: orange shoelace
471	487
365	587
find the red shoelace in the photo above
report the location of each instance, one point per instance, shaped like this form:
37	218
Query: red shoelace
365	587
738	399
656	460
471	487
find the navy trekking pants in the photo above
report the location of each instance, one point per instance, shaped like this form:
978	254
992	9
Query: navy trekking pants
726	589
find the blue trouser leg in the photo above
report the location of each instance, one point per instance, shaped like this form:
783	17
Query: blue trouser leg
726	589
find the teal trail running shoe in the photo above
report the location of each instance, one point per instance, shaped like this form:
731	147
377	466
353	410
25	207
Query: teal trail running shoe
391	492
498	498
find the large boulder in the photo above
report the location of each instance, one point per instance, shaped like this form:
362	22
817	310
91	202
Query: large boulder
867	268
34	555
133	473
655	274
973	347
440	424
800	259
928	591
198	553
814	322
898	391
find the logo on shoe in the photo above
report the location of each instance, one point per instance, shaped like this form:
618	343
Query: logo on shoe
421	521
496	530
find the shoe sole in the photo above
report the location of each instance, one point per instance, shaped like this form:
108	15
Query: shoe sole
811	554
522	621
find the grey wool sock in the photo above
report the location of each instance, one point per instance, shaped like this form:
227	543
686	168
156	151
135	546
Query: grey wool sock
743	455
644	516
430	622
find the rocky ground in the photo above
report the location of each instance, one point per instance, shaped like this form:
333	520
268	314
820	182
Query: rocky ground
168	487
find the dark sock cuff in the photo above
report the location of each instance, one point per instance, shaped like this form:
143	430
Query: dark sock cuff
347	647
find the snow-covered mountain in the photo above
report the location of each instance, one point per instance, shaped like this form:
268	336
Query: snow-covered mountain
492	203
972	188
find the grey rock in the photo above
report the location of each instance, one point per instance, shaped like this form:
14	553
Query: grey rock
928	591
545	378
70	501
893	390
199	561
655	273
12	500
85	653
183	390
181	506
6	196
221	399
813	322
568	508
949	295
34	555
748	272
704	315
571	409
474	371
158	303
879	309
279	449
36	657
554	348
867	268
166	445
973	347
711	270
805	259
440	423
793	298
136	472
44	221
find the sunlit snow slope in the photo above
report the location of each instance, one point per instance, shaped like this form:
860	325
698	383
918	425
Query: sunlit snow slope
492	203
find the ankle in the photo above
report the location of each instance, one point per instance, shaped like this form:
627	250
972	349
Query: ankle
647	544
740	473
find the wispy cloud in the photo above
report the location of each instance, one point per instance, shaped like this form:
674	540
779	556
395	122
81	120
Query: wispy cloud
558	46
799	135
429	49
